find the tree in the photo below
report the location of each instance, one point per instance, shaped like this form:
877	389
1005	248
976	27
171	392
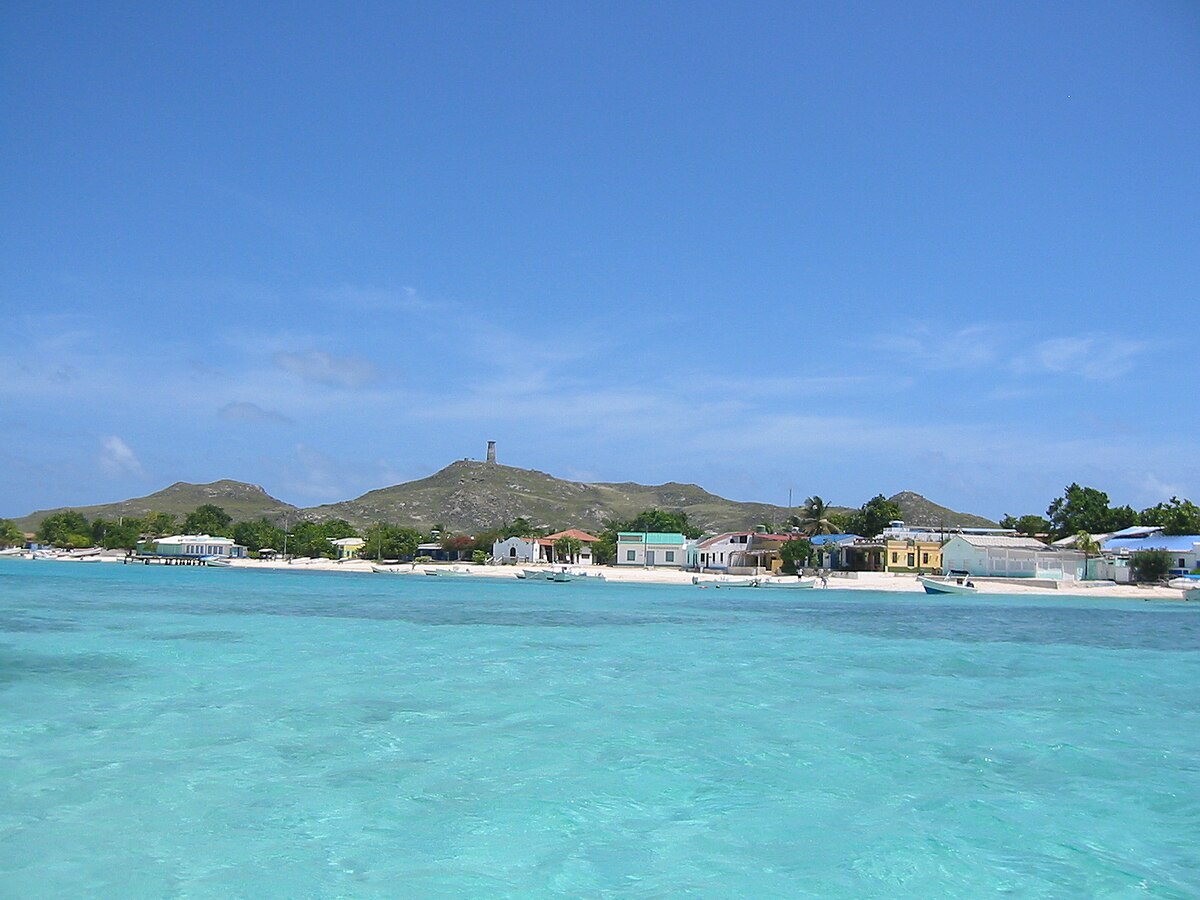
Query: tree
10	534
458	544
814	517
1151	565
65	529
796	552
1084	509
258	534
873	516
158	524
567	548
1031	526
659	520
1173	517
390	542
123	534
208	519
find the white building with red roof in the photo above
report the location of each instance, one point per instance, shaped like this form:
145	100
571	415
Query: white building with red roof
528	550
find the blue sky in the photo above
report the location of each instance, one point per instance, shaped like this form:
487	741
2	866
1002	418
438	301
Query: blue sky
840	249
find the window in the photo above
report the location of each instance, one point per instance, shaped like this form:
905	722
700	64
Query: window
912	560
670	556
924	559
895	556
630	555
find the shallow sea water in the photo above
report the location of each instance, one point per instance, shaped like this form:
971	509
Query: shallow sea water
213	733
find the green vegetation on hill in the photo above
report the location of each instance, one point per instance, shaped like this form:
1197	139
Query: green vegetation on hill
239	500
470	497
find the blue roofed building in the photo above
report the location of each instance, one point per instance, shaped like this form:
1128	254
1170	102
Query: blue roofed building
1184	548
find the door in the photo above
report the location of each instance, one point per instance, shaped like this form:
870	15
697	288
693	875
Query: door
649	557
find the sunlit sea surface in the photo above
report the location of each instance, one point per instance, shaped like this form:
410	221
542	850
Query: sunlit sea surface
212	733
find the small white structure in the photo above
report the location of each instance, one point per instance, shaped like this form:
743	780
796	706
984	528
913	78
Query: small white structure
347	548
1010	557
198	545
517	550
651	549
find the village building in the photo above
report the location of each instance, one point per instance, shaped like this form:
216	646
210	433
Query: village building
195	546
1010	557
526	550
652	549
1183	548
347	548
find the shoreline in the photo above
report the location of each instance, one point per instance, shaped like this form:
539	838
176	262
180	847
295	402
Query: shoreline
885	582
881	582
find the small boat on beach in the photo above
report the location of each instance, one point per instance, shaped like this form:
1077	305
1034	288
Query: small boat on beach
451	571
795	584
217	562
947	585
558	575
724	581
388	570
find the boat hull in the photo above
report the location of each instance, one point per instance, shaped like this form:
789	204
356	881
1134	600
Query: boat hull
937	586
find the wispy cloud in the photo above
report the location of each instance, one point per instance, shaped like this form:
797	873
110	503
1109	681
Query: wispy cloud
975	346
117	458
244	411
1094	357
332	371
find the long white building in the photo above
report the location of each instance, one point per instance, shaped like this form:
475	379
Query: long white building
198	545
1010	557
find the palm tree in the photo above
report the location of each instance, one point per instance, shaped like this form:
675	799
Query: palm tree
1086	545
814	518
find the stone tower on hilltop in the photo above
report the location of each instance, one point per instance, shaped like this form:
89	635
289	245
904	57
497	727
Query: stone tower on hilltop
491	454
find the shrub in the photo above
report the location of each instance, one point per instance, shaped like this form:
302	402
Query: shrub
1151	565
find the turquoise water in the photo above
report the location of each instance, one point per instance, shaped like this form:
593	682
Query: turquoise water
212	733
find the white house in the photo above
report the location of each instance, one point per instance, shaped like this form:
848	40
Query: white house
724	550
198	545
651	549
1011	557
518	550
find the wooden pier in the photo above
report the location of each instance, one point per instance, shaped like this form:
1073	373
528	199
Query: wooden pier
158	559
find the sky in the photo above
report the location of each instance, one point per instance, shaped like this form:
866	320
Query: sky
772	249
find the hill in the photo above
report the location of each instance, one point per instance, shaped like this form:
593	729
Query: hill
469	494
240	500
919	511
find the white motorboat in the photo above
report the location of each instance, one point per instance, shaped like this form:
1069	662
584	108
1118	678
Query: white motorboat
387	570
559	575
451	571
218	562
947	585
795	584
585	574
13	551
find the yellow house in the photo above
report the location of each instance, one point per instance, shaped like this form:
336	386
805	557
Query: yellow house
912	556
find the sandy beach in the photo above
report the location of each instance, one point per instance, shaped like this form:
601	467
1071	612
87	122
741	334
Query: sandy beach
853	581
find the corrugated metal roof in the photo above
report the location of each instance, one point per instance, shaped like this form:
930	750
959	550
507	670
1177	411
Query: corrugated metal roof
998	540
1175	543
